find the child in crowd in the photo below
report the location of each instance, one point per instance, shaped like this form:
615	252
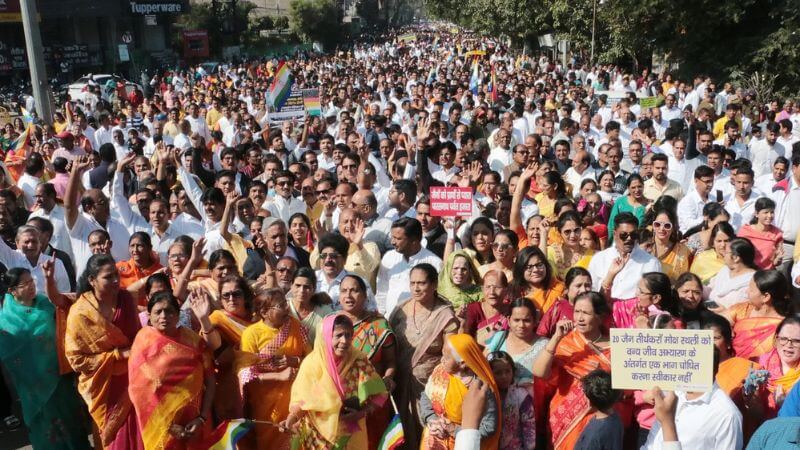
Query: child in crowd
519	424
604	431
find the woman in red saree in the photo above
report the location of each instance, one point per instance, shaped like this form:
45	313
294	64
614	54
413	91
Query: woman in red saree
490	315
577	347
100	329
171	380
783	364
373	337
755	320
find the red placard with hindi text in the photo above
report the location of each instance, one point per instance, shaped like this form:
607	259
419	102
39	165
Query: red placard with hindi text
451	201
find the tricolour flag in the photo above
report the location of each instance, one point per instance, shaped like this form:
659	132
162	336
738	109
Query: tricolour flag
475	81
493	86
393	436
18	152
281	86
228	434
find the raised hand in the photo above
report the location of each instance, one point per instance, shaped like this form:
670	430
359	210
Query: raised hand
356	234
197	252
200	302
49	268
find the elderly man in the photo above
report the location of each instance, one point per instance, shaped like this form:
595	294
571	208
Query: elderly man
46	207
332	250
363	257
581	169
378	229
28	255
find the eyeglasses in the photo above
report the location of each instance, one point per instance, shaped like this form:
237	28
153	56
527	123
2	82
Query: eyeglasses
665	225
501	246
572	231
283	183
284	269
532	267
323	191
232	294
623	236
176	256
331	255
788	342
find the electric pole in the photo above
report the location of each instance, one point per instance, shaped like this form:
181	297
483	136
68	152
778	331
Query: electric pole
33	45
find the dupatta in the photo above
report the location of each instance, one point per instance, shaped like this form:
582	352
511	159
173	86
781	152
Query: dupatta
752	336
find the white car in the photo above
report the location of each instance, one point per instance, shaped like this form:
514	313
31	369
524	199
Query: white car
77	88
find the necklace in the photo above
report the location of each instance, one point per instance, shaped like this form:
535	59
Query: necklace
414	318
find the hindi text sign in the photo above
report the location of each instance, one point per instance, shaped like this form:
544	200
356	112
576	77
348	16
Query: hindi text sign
451	201
670	359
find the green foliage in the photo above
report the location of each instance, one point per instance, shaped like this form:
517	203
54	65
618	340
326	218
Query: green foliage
315	20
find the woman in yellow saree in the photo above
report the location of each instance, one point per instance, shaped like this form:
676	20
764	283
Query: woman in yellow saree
335	390
171	380
276	344
101	326
440	404
755	320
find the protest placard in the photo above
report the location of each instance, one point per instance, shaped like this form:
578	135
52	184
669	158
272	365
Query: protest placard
670	359
294	107
648	102
409	37
311	102
451	201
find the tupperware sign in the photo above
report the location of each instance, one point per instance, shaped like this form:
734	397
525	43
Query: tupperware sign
150	8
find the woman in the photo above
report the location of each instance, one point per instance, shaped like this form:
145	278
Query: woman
172	380
654	296
701	235
221	264
755	320
459	281
552	188
51	407
533	279
421	324
373	337
300	231
477	242
504	249
605	182
441	402
733	369
490	315
766	237
335	390
730	285
280	343
783	363
570	253
577	348
101	327
708	263
577	281
306	306
689	291
144	262
674	255
519	422
635	203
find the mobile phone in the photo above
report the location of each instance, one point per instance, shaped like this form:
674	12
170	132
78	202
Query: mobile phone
719	196
711	304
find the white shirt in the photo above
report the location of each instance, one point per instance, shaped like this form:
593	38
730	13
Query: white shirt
284	209
690	210
741	214
15	258
763	155
79	238
332	289
711	421
393	277
27	183
574	178
765	183
499	158
683	171
787	210
102	136
668	114
60	238
627	280
200	127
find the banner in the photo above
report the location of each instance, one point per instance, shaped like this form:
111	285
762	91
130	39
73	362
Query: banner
292	108
670	359
410	37
311	102
451	201
195	44
648	102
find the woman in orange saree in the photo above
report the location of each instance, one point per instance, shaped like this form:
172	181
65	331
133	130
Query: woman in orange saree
276	346
101	327
577	347
144	262
373	337
783	364
534	279
754	321
171	380
441	402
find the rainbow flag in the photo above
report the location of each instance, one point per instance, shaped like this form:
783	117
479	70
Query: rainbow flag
281	86
493	86
228	434
475	80
18	152
393	436
27	117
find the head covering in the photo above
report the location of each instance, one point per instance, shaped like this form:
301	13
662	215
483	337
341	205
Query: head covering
449	290
65	135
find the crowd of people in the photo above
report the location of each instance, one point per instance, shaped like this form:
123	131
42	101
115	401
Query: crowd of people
174	258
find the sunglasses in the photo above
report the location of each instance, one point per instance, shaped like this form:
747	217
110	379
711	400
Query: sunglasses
665	225
623	236
232	294
501	247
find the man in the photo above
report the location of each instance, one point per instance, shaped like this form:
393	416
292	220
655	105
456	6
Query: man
197	123
614	157
285	270
520	158
786	195
333	249
378	229
765	152
632	163
434	235
362	257
501	156
731	139
284	204
741	204
705	142
690	208
670	111
660	184
402	197
28	255
680	168
393	283
581	169
96	215
45	229
766	182
68	150
45	207
625	255
562	160
30	178
722	176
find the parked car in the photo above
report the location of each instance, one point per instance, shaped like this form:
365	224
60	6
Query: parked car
78	87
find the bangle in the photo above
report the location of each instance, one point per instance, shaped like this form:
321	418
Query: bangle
202	419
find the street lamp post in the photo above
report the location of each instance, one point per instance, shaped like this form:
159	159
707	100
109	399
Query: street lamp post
33	45
594	22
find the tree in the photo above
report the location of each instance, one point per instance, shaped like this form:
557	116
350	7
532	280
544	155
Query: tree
315	20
